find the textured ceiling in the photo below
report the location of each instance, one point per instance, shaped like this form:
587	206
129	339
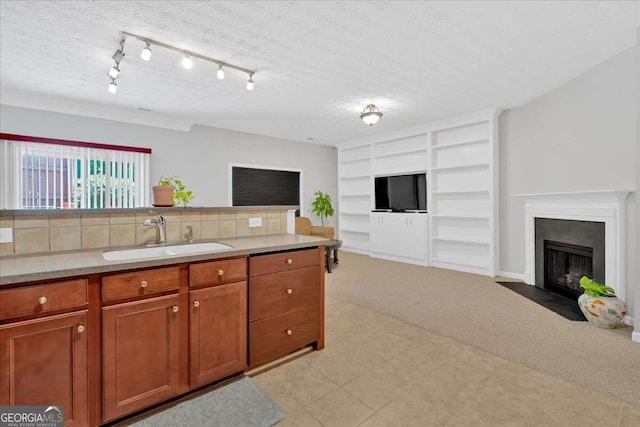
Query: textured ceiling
318	63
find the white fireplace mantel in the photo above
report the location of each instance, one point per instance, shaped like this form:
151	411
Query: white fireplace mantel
606	206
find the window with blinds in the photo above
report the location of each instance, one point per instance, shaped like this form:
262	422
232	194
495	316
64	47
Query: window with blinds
39	175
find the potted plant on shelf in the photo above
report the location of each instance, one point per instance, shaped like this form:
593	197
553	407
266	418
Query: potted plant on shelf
171	191
322	206
600	304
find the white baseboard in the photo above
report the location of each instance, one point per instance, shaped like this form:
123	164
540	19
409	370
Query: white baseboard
460	267
508	275
635	336
354	250
628	320
397	258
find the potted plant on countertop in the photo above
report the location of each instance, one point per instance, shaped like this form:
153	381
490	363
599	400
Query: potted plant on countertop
600	305
322	206
171	191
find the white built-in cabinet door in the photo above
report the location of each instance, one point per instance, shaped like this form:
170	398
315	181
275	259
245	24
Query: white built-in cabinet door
398	234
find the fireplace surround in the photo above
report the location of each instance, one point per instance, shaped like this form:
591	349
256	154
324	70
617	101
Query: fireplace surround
604	206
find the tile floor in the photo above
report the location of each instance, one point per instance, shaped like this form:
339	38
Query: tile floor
378	371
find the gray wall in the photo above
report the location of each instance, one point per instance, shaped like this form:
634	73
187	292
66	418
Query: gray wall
201	157
580	136
636	278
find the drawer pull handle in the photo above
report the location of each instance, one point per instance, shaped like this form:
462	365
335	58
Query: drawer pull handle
220	272
289	331
80	329
42	300
143	284
175	309
289	291
289	260
196	303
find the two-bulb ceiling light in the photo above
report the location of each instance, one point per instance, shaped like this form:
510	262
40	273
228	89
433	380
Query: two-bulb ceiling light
187	60
371	114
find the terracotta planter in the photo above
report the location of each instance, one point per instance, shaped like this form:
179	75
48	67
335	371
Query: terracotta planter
162	196
603	312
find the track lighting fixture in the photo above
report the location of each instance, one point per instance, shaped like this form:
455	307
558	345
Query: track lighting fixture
187	60
146	53
113	87
114	72
371	114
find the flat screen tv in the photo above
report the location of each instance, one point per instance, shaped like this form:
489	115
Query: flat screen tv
401	193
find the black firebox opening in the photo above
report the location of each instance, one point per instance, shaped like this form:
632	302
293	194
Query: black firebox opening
564	265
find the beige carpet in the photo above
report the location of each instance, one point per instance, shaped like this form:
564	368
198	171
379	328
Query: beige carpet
477	311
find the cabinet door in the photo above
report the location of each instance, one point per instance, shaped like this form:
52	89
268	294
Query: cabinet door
418	237
44	362
140	351
218	332
381	233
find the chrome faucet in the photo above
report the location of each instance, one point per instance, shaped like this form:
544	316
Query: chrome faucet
161	235
190	234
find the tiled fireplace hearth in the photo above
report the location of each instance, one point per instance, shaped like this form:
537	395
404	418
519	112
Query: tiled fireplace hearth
587	207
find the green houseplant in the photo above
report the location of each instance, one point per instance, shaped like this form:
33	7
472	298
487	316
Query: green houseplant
322	206
600	305
178	191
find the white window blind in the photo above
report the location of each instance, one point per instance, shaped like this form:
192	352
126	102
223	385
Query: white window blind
55	176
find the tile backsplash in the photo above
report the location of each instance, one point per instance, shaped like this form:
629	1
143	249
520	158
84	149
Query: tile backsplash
42	234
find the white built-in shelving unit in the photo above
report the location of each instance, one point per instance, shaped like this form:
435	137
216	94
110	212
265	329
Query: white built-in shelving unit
354	197
463	195
460	158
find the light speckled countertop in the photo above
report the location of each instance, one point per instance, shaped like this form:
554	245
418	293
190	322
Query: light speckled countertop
17	269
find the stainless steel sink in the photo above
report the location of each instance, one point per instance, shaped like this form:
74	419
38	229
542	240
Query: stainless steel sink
163	251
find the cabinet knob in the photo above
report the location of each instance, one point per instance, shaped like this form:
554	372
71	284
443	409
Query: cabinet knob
196	303
42	300
289	331
143	284
220	272
175	308
289	291
80	329
289	260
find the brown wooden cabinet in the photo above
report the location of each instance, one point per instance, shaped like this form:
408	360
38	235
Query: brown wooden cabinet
140	352
218	332
286	303
44	362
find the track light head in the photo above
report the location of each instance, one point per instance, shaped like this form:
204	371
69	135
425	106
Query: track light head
250	82
220	72
114	72
187	62
118	55
113	87
146	53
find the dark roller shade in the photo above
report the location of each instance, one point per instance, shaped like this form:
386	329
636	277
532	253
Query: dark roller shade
264	187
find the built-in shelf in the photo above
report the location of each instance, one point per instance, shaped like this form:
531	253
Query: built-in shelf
465	216
353	230
467	166
354	213
462	240
345	178
401	153
362	159
460	192
460	144
362	196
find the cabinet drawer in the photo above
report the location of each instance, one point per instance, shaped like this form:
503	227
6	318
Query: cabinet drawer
283	261
140	283
278	293
218	272
42	298
276	336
